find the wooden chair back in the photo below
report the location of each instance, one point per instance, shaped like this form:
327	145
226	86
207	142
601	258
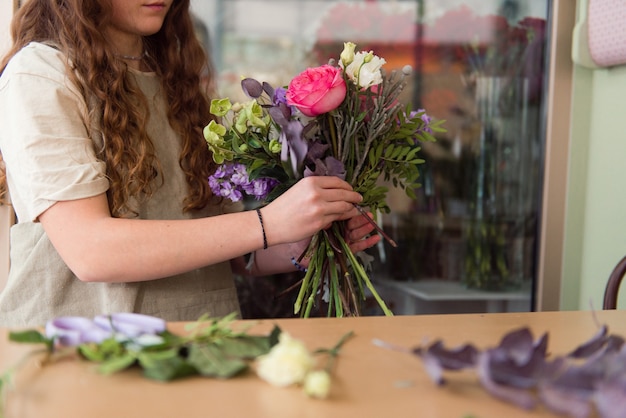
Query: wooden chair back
611	290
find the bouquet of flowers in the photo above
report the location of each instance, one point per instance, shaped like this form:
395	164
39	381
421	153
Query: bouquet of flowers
342	119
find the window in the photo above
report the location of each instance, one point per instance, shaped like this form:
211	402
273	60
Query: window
469	242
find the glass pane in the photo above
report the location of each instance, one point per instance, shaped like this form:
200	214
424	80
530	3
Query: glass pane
468	243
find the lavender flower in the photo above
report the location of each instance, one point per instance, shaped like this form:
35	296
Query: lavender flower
260	188
280	96
232	181
425	118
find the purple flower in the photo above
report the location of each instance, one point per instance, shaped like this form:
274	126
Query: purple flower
239	175
76	330
260	188
293	146
280	95
330	166
425	119
232	181
230	191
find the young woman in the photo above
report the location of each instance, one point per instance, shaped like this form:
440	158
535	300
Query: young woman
106	167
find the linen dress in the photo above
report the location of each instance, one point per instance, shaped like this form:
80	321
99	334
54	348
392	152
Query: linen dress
50	157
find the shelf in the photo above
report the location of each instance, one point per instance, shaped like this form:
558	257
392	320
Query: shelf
444	296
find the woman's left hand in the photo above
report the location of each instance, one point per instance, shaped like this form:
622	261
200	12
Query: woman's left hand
358	233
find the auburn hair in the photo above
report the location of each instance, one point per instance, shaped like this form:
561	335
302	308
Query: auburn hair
175	54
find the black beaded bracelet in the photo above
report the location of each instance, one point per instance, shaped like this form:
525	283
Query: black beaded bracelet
298	265
258	212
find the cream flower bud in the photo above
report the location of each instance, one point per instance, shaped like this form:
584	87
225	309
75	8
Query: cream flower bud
287	363
347	55
317	384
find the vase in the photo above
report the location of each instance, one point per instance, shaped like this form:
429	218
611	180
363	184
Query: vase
496	228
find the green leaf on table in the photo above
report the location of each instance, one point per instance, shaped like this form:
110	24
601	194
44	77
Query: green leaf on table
212	361
246	346
164	365
92	352
30	337
117	364
106	350
273	337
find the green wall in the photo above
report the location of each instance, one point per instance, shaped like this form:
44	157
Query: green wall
595	231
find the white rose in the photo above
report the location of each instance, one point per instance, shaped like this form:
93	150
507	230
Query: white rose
287	363
365	69
317	384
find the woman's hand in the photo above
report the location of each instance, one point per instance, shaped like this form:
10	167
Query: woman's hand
312	204
358	233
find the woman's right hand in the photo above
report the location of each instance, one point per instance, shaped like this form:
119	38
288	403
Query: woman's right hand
312	204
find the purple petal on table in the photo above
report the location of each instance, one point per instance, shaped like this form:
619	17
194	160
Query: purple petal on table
517	370
68	330
519	397
610	397
458	358
95	334
566	402
131	324
520	346
572	390
594	369
614	343
433	368
591	346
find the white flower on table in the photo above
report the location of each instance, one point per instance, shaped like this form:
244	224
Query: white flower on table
317	384
287	363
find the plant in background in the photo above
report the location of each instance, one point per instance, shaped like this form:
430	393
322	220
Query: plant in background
500	61
342	119
506	50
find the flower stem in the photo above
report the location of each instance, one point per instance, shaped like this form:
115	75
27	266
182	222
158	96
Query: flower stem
375	225
333	353
362	275
333	134
305	284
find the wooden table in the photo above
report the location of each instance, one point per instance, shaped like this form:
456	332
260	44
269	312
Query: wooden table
368	382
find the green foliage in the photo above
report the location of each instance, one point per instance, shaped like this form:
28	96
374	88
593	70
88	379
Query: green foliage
211	348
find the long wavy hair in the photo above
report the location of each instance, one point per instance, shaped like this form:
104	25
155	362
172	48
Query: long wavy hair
76	28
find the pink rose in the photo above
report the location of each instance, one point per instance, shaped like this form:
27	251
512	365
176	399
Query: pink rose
317	90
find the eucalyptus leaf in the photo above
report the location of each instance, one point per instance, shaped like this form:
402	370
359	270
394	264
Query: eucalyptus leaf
30	337
246	346
117	364
165	365
213	361
92	352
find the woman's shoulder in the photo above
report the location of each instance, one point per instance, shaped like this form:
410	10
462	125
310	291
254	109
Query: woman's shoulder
39	59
